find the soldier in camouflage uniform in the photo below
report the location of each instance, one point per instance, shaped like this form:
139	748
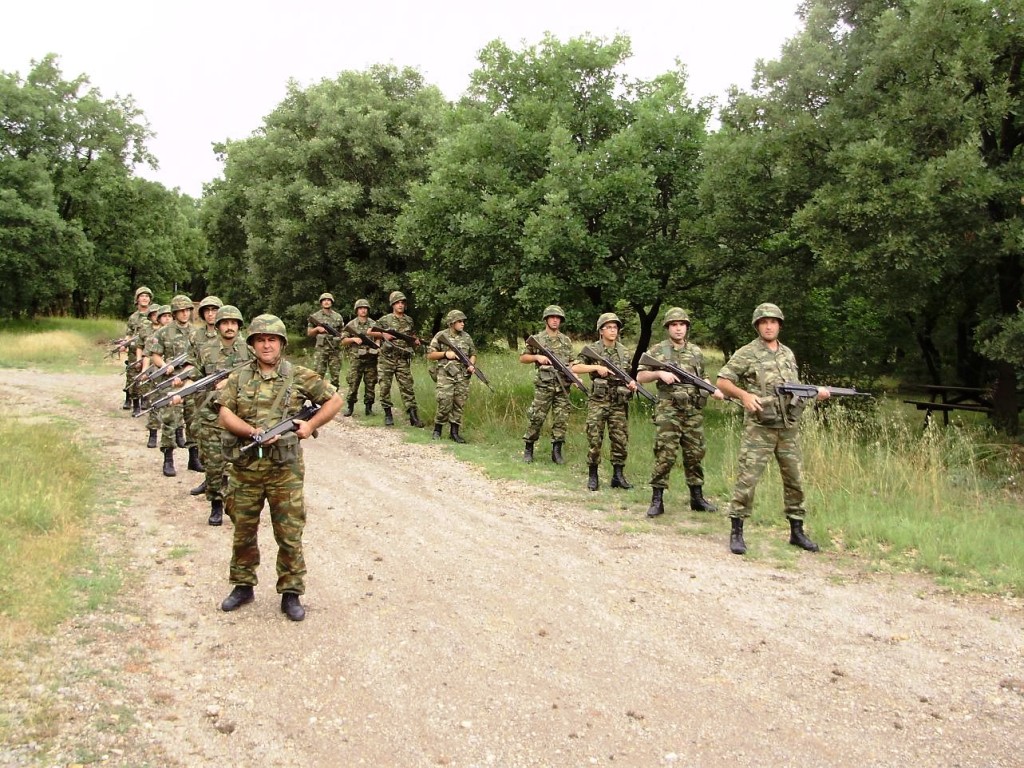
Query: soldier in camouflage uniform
550	389
769	427
327	354
608	405
679	414
395	361
169	342
138	321
452	376
253	399
207	337
229	351
159	316
363	358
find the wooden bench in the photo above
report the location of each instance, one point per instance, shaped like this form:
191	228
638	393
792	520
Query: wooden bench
946	399
945	408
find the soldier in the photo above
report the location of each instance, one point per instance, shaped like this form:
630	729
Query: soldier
678	415
550	389
169	342
208	337
608	405
137	322
327	355
159	316
452	376
230	351
208	314
363	362
769	428
252	400
395	361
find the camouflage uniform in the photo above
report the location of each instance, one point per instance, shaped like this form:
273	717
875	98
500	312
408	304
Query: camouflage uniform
452	379
362	362
327	354
152	418
169	342
395	362
275	474
138	324
550	391
608	406
678	416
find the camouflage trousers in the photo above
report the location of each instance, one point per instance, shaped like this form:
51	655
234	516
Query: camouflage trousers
153	417
363	369
212	455
281	486
452	394
678	427
759	444
394	367
548	396
615	416
327	363
174	416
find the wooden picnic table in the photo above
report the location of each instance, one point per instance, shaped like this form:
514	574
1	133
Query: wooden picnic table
943	398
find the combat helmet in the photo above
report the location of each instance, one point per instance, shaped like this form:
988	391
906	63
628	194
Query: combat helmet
163	309
553	310
361	303
210	301
271	324
143	289
152	308
181	301
608	317
454	316
395	297
228	312
675	315
767	310
326	295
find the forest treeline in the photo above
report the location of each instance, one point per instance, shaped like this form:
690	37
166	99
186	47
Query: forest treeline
869	181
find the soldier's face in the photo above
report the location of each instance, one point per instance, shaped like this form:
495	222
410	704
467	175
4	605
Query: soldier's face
165	319
398	307
362	312
610	332
267	347
554	322
768	328
182	316
209	315
228	329
459	325
677	330
143	301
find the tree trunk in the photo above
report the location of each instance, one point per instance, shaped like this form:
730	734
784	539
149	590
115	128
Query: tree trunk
1005	415
647	319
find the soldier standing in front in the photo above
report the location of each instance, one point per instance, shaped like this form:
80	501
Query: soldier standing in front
608	405
256	398
452	376
769	429
327	353
137	323
550	389
363	358
395	361
171	341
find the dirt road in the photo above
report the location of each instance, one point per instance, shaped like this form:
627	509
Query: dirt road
453	620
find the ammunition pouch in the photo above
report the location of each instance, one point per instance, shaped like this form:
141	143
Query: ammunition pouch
600	390
770	414
284	451
794	410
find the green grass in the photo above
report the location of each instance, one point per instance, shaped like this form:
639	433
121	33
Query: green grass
58	344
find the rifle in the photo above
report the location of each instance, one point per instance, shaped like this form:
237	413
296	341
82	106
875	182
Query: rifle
443	338
287	425
199	385
326	326
397	334
684	376
798	392
169	380
120	345
152	372
366	339
558	365
620	374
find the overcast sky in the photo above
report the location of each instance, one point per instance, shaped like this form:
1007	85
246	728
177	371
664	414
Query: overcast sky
207	71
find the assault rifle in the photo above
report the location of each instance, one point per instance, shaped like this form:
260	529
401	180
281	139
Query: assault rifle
170	380
152	372
397	334
282	427
326	326
558	365
684	377
795	392
620	374
464	359
120	345
199	385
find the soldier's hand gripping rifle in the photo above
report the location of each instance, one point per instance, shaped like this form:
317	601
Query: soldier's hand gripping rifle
793	392
558	365
464	359
120	345
282	427
199	385
153	372
397	334
617	372
685	377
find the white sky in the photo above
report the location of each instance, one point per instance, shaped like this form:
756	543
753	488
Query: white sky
208	71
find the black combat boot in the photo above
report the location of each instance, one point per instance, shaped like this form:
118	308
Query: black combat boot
736	544
414	418
127	402
136	407
389	419
437	431
618	479
657	503
368	409
456	437
194	463
291	607
592	482
240	595
199	490
556	451
350	407
528	453
697	501
179	437
216	512
169	470
798	538
151	443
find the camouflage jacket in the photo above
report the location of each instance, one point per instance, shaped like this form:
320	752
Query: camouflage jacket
403	324
332	318
352	329
463	341
561	347
137	325
604	389
688	357
757	369
172	340
219	358
264	399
